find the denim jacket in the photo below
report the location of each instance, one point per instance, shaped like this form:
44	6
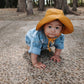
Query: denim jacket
37	41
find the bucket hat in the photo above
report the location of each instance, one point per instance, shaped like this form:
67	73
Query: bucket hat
56	14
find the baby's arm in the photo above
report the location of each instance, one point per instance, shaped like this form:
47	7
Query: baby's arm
56	56
58	51
35	62
59	45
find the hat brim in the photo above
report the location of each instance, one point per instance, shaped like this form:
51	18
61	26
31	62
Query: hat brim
68	27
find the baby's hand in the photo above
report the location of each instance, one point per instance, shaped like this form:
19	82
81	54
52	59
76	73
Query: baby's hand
56	58
39	65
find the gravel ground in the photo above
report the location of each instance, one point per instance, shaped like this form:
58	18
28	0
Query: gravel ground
15	63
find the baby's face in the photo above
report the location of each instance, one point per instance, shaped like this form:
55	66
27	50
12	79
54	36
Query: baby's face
53	29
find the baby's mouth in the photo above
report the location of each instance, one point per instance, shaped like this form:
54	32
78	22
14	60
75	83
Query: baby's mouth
51	36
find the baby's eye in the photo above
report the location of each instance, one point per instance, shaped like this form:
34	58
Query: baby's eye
50	26
57	27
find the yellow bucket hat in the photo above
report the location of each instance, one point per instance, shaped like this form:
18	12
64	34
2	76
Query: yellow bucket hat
54	14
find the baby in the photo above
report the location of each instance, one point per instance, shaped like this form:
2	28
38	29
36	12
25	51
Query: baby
48	32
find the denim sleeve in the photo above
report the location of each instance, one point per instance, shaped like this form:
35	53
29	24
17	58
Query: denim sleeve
35	46
59	42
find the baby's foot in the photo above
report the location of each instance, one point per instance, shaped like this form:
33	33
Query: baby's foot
39	65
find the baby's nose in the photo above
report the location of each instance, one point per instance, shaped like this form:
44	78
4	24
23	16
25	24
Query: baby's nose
53	30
